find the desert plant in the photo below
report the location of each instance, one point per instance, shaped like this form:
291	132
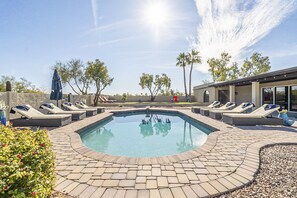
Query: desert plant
192	58
154	84
27	163
97	71
124	97
182	62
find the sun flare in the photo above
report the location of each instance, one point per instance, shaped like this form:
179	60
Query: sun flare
156	13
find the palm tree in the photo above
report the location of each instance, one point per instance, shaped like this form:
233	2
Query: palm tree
192	58
181	62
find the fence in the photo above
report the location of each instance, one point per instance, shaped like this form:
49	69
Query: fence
35	100
148	98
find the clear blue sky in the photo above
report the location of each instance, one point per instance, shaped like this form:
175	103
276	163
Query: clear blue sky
134	36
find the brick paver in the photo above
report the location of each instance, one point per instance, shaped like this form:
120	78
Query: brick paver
228	160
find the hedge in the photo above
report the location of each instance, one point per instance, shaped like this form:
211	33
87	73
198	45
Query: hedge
27	163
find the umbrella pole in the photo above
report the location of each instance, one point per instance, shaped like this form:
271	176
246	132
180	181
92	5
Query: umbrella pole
57	103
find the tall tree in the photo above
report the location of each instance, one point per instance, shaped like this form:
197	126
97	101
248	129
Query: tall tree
154	85
192	58
221	70
19	86
181	62
3	81
73	73
234	71
97	72
257	64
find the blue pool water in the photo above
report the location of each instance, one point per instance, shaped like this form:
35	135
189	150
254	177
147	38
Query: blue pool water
145	134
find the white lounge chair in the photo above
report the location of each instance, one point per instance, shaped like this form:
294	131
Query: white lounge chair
215	104
217	113
33	117
70	107
228	105
261	116
53	109
84	106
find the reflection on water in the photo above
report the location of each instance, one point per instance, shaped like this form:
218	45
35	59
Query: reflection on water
103	137
184	145
145	135
153	125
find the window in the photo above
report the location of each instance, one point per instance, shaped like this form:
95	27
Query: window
267	95
206	96
281	96
293	98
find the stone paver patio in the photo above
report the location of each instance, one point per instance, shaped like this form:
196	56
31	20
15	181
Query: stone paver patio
227	161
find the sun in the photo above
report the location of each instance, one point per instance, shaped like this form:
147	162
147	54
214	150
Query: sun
157	13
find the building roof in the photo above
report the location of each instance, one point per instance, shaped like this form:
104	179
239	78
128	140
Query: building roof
279	75
204	85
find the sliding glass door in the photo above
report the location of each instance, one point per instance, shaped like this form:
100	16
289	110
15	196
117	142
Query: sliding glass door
267	96
293	97
281	96
285	96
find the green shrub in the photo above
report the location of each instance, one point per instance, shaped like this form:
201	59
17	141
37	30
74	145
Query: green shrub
27	163
124	97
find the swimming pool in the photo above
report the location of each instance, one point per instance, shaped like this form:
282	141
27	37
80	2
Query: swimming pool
145	134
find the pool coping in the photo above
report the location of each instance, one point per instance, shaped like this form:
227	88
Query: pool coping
79	147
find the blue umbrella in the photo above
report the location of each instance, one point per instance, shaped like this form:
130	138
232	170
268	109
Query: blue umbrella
56	93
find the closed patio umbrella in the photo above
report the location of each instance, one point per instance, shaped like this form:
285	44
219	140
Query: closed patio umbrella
56	93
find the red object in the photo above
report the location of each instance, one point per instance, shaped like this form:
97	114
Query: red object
175	98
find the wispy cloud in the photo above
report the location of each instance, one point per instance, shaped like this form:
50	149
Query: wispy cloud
107	42
95	11
233	26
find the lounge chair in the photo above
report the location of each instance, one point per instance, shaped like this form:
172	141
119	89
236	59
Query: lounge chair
212	105
228	105
53	109
84	106
217	113
70	107
105	100
33	117
261	116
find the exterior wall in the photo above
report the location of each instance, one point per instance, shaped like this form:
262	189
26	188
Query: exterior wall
88	99
3	97
199	93
243	94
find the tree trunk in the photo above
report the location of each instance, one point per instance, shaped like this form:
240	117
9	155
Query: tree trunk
96	100
185	82
153	98
190	83
73	88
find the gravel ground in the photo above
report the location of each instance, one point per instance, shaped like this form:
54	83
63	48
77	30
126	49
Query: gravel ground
59	195
277	176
